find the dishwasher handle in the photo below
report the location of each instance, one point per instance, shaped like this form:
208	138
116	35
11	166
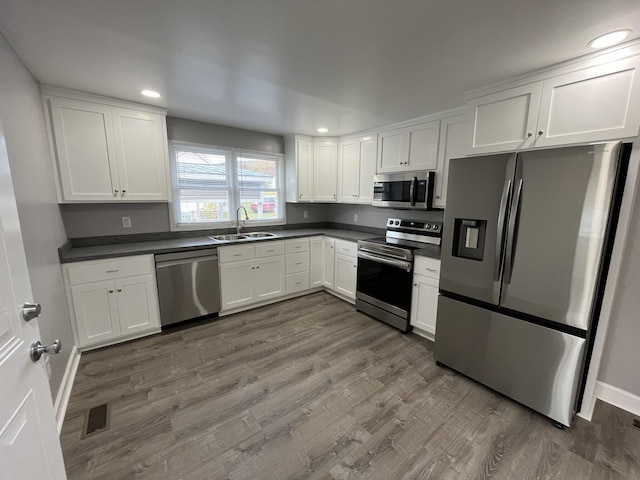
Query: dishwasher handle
182	261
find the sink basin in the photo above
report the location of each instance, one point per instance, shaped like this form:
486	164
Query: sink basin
227	238
259	235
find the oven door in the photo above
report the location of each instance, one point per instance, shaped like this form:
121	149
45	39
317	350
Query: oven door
385	283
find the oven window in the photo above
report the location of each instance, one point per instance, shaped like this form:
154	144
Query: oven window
400	191
386	283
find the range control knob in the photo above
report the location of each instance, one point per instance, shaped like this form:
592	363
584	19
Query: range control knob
427	226
435	227
397	222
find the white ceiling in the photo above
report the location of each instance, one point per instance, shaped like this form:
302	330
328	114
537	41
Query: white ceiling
285	66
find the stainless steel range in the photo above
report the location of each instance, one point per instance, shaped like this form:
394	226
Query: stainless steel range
385	269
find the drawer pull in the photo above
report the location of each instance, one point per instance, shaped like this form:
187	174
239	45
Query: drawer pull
272	250
298	263
113	271
237	254
298	246
432	269
298	283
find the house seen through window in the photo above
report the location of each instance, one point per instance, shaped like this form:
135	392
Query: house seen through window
210	183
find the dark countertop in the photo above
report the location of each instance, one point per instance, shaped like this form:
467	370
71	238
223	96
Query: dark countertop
70	254
431	251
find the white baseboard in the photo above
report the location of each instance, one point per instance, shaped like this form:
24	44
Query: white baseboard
64	392
618	397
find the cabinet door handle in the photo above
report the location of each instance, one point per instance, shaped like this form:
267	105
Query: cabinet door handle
113	271
257	267
540	132
116	190
119	289
123	192
110	291
415	284
529	134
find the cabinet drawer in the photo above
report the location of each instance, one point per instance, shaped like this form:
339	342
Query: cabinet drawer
347	248
269	249
235	252
297	282
297	246
297	262
429	267
100	270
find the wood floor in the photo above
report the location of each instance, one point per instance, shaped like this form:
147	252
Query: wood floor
309	388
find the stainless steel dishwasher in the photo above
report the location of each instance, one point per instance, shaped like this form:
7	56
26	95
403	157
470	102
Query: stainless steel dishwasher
188	285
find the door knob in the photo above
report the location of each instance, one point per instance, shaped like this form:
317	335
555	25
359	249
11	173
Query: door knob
31	311
37	349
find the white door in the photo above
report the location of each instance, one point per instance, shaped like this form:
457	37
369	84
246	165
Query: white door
349	167
423	146
96	312
304	160
328	267
392	151
316	259
269	278
368	150
141	155
29	443
237	284
424	304
325	170
137	310
453	144
345	272
85	148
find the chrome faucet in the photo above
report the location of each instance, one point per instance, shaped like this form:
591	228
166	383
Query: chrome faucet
246	218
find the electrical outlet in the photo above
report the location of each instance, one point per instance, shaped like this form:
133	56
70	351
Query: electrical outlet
305	214
126	222
355	217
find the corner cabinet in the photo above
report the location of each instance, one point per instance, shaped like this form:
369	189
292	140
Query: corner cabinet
589	104
107	153
112	300
356	168
299	168
408	149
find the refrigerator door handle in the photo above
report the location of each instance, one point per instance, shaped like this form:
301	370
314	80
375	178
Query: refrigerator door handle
502	218
412	191
511	242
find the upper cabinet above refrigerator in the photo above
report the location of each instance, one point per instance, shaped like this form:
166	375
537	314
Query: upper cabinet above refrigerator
577	104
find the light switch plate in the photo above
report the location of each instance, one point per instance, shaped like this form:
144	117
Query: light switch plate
126	222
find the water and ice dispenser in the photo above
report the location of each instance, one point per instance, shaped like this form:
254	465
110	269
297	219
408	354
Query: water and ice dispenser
468	238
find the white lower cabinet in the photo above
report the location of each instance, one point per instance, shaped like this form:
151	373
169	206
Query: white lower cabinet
112	300
316	260
424	297
258	277
345	281
345	267
328	263
297	265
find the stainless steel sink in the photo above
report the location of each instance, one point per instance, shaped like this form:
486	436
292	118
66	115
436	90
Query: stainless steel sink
259	235
227	238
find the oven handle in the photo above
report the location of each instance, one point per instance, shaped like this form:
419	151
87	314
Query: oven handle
387	261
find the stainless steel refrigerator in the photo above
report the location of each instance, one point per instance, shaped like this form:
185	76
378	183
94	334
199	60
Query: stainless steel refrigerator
525	250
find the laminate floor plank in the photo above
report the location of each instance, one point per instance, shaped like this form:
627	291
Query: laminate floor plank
311	389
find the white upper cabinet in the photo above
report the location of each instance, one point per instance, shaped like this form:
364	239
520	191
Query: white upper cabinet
140	153
107	153
599	103
586	104
410	148
299	168
453	144
505	120
325	171
356	168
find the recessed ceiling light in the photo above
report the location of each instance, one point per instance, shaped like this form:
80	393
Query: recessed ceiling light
323	130
609	39
150	93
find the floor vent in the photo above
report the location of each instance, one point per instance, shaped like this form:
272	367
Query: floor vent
96	420
636	423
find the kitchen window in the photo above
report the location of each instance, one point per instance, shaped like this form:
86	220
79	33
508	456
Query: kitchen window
210	183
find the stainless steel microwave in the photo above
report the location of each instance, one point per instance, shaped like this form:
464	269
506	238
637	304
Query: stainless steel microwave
411	190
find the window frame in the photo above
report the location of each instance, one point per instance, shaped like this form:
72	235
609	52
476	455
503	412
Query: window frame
235	189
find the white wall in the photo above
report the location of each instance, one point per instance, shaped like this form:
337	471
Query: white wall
621	357
40	220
